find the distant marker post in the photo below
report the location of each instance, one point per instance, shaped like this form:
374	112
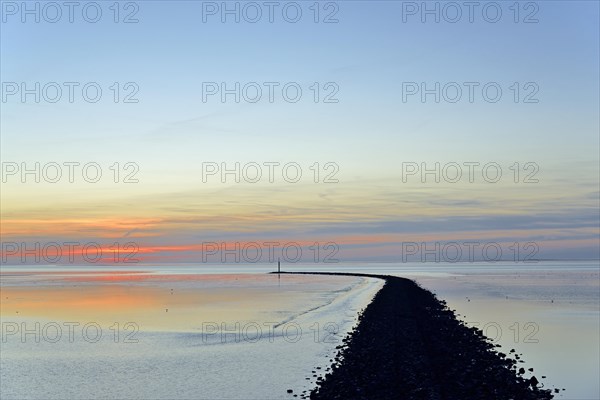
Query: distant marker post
279	272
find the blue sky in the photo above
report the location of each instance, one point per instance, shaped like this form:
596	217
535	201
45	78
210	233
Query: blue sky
369	133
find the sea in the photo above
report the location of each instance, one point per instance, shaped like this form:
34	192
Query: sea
234	331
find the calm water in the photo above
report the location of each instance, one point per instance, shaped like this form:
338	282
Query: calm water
166	336
176	346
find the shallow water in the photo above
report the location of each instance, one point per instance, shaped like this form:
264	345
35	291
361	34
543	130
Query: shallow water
552	317
548	311
172	336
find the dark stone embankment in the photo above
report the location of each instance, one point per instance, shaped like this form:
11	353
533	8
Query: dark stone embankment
409	345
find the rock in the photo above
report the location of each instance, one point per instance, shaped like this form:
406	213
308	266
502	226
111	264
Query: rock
533	381
409	345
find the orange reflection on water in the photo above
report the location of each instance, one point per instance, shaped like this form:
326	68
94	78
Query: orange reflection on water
154	302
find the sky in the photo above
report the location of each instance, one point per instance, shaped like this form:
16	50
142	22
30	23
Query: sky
361	121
